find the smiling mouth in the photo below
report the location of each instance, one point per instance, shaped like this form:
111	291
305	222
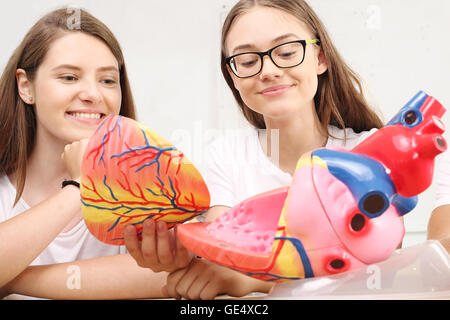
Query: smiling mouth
276	90
86	116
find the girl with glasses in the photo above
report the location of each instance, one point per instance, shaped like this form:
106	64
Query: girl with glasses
58	85
287	77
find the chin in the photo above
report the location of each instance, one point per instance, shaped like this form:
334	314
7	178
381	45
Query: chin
79	135
281	113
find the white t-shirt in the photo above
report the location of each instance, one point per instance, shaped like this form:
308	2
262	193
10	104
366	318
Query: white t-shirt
237	167
443	180
76	244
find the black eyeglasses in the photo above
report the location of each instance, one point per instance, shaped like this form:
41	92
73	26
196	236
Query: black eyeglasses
286	55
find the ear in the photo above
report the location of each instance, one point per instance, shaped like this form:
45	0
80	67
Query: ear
321	63
24	86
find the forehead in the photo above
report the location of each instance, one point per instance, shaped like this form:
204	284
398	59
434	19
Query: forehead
261	25
79	49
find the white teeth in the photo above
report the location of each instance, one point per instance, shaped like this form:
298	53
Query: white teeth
86	115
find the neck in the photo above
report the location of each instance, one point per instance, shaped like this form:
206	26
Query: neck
295	135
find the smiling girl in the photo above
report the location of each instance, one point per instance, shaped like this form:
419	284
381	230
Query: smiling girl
56	88
287	77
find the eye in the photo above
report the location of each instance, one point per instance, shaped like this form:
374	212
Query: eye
246	60
287	54
248	63
109	82
68	78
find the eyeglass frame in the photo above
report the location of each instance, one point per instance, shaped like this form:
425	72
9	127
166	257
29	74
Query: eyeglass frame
269	53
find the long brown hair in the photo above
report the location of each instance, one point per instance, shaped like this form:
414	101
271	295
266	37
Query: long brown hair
17	120
339	99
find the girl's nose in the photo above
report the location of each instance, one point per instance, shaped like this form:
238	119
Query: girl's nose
269	70
90	92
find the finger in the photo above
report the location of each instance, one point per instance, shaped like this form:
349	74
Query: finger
210	291
165	255
132	243
172	281
198	285
182	288
189	278
149	246
182	255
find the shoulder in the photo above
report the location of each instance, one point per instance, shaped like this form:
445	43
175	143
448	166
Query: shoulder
347	138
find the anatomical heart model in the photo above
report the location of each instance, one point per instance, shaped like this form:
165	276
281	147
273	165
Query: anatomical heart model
130	174
342	210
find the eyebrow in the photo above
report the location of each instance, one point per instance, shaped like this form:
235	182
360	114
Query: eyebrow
72	67
249	46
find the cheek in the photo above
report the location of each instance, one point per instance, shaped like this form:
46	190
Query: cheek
312	84
307	81
246	88
251	100
309	69
113	100
50	96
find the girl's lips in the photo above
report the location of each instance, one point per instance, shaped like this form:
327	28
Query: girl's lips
275	90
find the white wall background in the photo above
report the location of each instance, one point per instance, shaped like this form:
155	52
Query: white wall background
172	53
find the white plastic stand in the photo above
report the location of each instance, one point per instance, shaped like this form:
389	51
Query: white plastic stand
417	272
